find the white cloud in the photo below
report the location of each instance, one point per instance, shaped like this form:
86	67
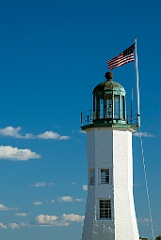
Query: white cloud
144	220
72	217
43	220
143	134
5	208
20	214
85	187
9	131
78	200
42	184
52	220
2	225
46	219
37	203
65	199
14	132
52	135
14	225
13	153
60	224
52	201
69	199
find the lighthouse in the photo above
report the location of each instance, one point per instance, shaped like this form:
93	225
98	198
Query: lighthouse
110	210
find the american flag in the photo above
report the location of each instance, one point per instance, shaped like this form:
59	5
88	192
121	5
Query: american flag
125	57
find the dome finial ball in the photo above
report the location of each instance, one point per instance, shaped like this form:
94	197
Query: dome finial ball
108	75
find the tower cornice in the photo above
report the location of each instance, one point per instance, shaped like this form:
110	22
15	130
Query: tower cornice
115	126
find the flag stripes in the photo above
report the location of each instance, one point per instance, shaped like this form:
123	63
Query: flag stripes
125	57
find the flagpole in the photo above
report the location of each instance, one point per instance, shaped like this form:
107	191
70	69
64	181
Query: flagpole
138	114
137	83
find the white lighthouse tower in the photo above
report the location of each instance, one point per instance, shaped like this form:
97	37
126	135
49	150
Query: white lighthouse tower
110	210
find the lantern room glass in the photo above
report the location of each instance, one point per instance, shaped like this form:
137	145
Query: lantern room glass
116	106
109	106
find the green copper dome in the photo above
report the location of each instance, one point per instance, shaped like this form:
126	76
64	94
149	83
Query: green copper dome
108	85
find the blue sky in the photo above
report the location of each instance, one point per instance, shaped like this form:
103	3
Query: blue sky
52	55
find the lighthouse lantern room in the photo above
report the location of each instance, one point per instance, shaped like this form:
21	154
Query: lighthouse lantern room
110	210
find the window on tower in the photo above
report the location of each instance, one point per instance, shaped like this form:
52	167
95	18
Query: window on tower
104	176
105	208
92	176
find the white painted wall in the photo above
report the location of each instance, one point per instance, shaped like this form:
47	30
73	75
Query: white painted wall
110	148
124	211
